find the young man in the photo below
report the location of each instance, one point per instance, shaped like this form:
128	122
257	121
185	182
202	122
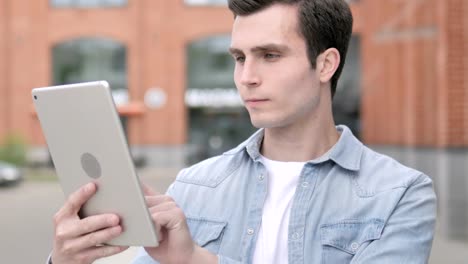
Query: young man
300	190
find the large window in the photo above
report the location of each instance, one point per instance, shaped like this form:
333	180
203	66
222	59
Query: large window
87	3
218	120
209	63
92	59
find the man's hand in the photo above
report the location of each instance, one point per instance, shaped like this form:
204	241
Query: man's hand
176	245
77	241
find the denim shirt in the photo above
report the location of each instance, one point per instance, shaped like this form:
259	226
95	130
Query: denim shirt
356	206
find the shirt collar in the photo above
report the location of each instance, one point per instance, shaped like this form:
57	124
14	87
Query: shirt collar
346	152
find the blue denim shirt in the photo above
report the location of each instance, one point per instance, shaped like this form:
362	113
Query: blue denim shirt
357	206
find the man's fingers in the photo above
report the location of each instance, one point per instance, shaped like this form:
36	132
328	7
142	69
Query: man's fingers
76	200
157	199
95	253
87	225
170	219
166	206
158	230
94	239
148	191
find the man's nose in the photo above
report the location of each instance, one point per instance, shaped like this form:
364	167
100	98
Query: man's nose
250	76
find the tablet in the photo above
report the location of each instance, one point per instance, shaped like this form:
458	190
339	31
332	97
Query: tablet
87	144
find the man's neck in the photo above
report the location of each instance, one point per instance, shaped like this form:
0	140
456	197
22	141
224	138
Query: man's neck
300	142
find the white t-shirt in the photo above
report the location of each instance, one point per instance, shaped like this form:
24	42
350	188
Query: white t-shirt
272	241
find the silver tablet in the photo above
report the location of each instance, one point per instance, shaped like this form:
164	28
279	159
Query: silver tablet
87	143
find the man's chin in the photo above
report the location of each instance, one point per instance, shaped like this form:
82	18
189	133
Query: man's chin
260	123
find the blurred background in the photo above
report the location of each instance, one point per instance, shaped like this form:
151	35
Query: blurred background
404	92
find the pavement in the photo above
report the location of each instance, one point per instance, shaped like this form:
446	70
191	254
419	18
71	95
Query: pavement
27	209
26	227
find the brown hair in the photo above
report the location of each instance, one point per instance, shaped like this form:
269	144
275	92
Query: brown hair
323	24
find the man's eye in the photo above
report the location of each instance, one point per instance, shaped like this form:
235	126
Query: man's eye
271	56
239	58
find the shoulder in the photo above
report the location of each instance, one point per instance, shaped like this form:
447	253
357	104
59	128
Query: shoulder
380	173
211	172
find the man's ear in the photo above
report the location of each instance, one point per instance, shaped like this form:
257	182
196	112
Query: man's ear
327	64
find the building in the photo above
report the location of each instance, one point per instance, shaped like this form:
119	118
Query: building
406	84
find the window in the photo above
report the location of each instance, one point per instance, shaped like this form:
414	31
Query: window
210	65
206	2
87	3
218	120
92	59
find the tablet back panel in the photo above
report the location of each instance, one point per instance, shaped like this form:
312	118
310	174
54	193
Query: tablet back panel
87	143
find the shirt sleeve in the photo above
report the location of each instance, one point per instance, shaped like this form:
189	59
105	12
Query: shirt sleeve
407	236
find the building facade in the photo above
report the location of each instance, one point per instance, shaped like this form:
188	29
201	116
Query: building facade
412	66
415	73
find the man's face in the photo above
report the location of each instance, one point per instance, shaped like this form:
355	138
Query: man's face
272	73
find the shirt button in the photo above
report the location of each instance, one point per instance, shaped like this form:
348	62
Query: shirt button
250	231
305	184
295	235
261	176
354	246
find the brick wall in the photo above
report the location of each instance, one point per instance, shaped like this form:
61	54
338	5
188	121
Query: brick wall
414	64
155	33
455	24
3	69
414	72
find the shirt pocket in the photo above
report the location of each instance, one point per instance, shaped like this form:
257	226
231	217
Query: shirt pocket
206	233
341	240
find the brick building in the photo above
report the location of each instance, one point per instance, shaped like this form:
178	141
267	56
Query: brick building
413	65
415	72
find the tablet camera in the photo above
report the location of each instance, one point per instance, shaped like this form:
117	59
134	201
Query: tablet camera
91	165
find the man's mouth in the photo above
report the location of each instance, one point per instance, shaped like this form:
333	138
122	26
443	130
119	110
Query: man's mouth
253	102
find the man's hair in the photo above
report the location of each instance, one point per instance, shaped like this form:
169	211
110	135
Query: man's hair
323	24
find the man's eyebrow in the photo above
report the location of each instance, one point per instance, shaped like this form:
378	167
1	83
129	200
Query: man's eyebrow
266	47
235	51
